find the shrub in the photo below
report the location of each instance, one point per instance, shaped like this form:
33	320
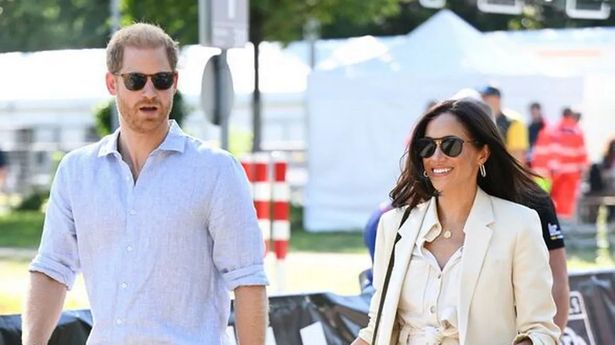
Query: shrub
34	201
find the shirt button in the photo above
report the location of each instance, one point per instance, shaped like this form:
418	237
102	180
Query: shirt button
133	212
119	322
124	285
129	249
439	276
432	309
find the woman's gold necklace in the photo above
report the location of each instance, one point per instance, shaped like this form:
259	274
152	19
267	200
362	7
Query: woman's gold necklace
447	234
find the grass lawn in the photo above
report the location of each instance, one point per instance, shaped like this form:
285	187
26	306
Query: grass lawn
327	242
21	229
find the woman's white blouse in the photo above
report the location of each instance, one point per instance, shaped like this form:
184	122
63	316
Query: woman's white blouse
427	311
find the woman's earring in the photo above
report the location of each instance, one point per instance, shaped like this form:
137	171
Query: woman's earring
483	172
425	173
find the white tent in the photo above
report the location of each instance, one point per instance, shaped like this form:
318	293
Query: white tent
360	114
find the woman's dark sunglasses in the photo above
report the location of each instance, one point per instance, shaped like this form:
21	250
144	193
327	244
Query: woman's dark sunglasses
449	145
136	81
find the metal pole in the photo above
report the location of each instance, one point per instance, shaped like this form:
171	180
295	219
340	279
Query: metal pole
256	104
311	33
115	25
204	22
602	235
220	90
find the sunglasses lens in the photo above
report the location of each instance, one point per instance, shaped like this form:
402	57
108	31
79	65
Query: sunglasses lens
425	148
163	80
134	81
452	146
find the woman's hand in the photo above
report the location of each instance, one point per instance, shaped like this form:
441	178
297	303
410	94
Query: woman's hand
359	341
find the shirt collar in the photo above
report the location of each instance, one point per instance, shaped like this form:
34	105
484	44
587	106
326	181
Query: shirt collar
431	225
174	141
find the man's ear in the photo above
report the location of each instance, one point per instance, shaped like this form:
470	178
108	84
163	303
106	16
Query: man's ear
111	83
175	82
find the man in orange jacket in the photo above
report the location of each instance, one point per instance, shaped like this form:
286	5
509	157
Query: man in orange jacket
560	156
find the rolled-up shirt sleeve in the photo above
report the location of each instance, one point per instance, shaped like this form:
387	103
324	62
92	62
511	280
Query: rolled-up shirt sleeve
238	247
58	255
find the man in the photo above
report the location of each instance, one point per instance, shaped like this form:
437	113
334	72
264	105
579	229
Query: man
513	131
561	157
160	225
537	123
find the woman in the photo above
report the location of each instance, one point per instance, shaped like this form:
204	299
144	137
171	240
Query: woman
469	263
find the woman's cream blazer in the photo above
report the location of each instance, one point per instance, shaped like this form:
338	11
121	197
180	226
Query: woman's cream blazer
505	291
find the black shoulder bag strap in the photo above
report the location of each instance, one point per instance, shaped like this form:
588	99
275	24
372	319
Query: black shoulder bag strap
387	276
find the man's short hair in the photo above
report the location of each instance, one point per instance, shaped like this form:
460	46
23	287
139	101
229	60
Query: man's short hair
139	35
567	112
490	90
535	105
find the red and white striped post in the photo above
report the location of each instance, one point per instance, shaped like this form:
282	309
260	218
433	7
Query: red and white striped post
281	199
281	219
274	224
257	170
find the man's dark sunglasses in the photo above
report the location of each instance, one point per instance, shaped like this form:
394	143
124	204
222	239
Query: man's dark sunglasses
449	145
136	81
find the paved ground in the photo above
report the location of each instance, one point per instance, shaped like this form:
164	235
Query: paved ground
16	253
301	272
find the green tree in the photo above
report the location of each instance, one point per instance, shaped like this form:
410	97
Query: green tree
275	20
537	14
179	18
31	25
103	113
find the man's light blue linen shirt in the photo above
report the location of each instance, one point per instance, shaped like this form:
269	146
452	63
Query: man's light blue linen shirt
158	256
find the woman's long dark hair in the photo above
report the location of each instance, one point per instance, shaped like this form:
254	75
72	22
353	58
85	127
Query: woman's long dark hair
506	178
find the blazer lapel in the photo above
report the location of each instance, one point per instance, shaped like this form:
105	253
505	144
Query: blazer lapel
478	235
419	218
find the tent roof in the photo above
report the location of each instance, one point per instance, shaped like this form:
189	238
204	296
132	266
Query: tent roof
443	46
575	52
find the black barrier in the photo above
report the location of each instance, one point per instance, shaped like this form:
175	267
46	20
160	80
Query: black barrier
591	319
73	328
336	318
330	319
